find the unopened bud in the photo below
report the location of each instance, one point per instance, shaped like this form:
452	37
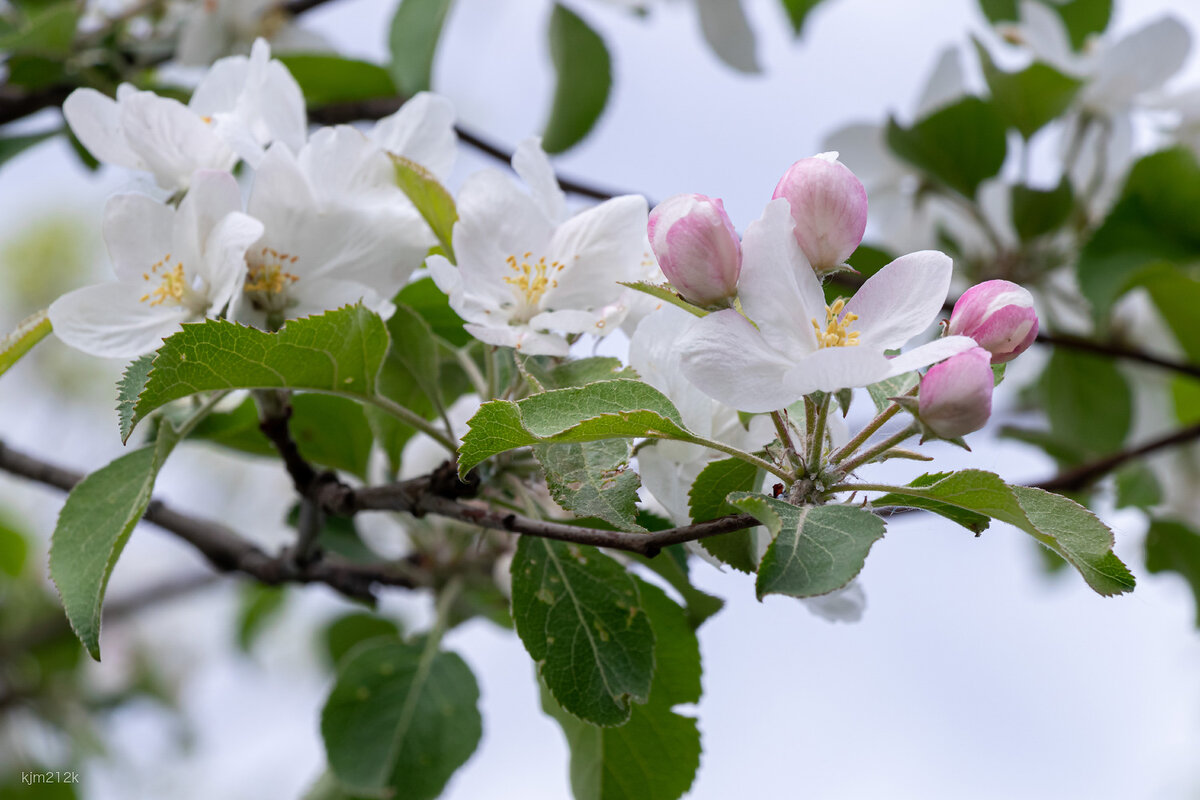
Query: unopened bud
697	248
956	395
999	316
829	205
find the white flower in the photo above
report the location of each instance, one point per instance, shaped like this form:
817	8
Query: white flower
173	266
214	28
527	274
790	343
240	106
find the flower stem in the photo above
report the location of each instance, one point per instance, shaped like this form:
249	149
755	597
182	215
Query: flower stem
749	458
874	452
785	439
816	440
414	420
851	446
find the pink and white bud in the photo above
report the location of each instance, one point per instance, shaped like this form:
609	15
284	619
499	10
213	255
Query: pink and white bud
829	205
956	395
999	316
697	247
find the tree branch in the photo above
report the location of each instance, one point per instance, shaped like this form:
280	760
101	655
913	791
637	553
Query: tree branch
1079	477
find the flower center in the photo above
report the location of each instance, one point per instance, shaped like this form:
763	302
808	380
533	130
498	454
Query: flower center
267	280
172	286
836	332
531	280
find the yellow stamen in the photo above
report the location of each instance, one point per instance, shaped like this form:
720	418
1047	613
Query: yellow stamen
171	290
530	278
267	275
836	332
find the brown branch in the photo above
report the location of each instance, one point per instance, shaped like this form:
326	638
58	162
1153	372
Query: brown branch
1079	477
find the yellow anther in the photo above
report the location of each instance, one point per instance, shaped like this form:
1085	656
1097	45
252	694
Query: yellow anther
170	290
836	331
530	280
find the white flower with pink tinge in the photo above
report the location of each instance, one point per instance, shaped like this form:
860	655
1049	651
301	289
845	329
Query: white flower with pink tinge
789	343
528	275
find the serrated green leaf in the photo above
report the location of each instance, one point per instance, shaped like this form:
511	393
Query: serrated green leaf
93	527
603	410
338	352
580	616
401	718
1060	524
672	566
579	372
28	333
133	380
655	755
898	386
816	549
413	38
347	631
431	199
1174	547
664	292
584	76
972	521
1029	99
960	145
707	500
329	79
593	479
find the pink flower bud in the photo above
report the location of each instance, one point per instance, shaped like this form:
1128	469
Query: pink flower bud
697	248
956	395
999	316
829	206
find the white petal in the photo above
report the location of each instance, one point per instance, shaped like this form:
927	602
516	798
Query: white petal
224	265
529	342
109	321
945	85
171	139
1046	35
421	131
1141	62
728	359
532	164
325	294
902	299
95	119
221	87
341	163
668	480
727	31
213	196
281	106
137	231
778	289
862	148
834	368
930	353
598	247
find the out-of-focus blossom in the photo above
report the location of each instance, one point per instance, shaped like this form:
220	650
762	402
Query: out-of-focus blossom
214	28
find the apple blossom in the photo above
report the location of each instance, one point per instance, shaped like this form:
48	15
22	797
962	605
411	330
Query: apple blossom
527	274
999	316
697	248
790	343
214	28
955	397
829	206
173	265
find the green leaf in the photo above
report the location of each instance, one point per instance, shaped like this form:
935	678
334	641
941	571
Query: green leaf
999	10
1088	401
816	549
48	32
347	631
1060	524
584	77
1082	18
1137	487
672	566
579	372
12	146
329	79
655	755
93	527
707	500
581	618
1036	212
975	523
426	299
593	479
28	332
882	392
401	718
259	605
603	410
1177	295
133	381
431	199
797	12
960	145
329	431
1185	396
664	292
1153	220
415	30
414	359
1029	99
1174	547
338	352
14	549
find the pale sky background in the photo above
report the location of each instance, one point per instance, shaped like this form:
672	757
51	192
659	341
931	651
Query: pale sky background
973	674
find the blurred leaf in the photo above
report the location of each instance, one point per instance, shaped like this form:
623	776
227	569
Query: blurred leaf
430	198
584	77
999	10
330	79
28	333
960	145
1177	296
1082	18
401	718
1137	487
655	755
423	297
1154	220
49	31
1036	212
35	73
259	604
13	550
1185	394
1088	401
797	12
341	635
1174	547
1029	99
414	33
12	146
707	500
410	376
